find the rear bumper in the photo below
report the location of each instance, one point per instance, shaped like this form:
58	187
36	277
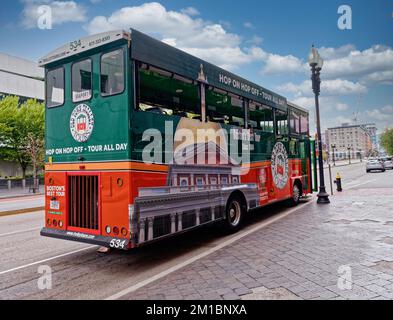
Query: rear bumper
86	238
375	168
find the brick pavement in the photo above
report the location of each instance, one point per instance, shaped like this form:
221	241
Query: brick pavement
300	256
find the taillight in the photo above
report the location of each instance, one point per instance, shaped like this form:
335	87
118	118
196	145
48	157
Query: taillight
61	224
48	222
115	230
108	229
124	231
54	223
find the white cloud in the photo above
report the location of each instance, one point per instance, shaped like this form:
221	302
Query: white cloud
335	53
255	40
360	63
191	11
381	77
209	41
248	25
341	106
383	116
370	66
328	88
62	12
276	64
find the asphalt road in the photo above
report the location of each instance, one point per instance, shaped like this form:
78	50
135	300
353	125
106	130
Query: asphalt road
20	203
80	272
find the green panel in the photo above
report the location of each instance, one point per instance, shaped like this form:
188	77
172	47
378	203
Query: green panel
143	120
109	139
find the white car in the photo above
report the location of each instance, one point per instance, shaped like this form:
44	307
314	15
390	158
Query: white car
388	162
375	164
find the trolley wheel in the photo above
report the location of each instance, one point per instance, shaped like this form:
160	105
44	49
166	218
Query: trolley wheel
234	213
296	194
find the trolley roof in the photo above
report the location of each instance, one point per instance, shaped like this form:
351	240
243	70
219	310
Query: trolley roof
154	52
82	45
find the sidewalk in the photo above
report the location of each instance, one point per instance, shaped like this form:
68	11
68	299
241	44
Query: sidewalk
342	163
19	192
337	251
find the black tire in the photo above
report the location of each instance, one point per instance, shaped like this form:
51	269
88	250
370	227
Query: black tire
367	171
234	213
383	170
296	194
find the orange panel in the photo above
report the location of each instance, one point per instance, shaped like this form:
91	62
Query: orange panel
115	198
55	191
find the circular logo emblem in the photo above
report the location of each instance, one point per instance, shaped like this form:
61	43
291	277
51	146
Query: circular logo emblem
280	167
81	122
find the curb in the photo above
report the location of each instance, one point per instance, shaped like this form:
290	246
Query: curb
19	211
342	165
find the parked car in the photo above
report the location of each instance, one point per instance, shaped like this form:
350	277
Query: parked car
375	164
388	162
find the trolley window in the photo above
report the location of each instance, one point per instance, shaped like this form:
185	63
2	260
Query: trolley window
304	124
261	117
224	107
294	121
281	122
166	93
55	87
81	80
112	73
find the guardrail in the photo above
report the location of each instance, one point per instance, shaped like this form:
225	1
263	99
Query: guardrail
20	183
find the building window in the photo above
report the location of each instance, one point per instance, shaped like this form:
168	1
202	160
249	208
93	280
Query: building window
166	93
235	180
55	87
112	73
200	182
81	80
224	180
213	180
183	182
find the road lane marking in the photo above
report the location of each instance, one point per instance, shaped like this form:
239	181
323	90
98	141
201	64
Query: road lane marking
206	253
46	260
19	231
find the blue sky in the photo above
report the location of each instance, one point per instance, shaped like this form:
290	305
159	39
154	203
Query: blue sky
264	41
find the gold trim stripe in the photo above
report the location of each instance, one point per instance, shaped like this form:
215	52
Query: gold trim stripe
129	165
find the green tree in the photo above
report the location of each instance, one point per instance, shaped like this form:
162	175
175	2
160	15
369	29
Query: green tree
22	125
387	140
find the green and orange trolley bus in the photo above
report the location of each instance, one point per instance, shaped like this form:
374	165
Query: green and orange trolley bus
144	141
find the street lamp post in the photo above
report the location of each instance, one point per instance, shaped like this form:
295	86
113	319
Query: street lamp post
316	63
334	158
349	154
